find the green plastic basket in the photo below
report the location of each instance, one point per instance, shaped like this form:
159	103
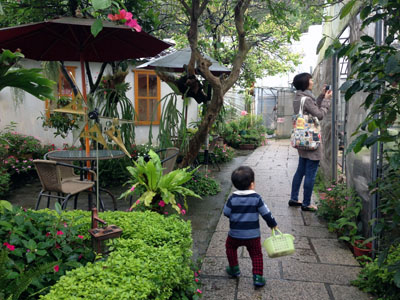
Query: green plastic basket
279	245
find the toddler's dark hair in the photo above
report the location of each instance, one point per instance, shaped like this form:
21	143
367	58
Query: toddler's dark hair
301	81
242	177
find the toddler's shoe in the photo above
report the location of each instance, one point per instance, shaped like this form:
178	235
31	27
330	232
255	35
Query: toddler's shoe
233	271
258	280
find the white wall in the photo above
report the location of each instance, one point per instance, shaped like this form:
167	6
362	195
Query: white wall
306	46
26	113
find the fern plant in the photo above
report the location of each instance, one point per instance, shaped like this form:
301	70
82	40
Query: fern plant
159	190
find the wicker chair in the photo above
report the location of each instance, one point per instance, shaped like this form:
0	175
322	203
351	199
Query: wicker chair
50	176
68	173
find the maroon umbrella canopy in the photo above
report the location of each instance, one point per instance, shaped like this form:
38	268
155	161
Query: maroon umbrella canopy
70	39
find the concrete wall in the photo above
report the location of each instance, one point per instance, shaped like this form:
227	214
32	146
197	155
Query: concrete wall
358	166
26	114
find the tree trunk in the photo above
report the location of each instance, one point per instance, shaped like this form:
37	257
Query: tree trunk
219	85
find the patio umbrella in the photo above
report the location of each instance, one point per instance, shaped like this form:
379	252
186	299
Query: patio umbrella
70	39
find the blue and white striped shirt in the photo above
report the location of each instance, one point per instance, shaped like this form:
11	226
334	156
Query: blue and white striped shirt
242	209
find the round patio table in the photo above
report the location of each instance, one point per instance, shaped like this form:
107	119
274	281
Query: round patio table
81	156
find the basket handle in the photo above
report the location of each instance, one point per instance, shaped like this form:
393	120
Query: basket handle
273	232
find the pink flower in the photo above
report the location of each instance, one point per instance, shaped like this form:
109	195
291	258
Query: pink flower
180	206
134	24
329	189
56	268
9	246
243	113
183	211
132	188
161	203
27	250
65	225
60	232
165	213
125	15
196	279
137	202
48	234
80	236
196	274
80	257
199	291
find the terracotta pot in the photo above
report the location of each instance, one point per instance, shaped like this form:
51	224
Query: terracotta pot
359	251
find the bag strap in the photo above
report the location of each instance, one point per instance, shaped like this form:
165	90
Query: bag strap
303	99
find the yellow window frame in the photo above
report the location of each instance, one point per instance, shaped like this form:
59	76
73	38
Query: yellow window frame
137	97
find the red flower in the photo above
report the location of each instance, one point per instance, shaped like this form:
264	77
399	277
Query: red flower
48	234
9	246
80	236
60	232
56	268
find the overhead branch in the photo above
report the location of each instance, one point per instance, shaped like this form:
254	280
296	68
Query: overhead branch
186	6
243	47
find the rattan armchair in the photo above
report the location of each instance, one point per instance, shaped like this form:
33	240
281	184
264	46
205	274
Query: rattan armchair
51	177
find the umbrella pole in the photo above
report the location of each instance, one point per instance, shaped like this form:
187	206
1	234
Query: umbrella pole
87	145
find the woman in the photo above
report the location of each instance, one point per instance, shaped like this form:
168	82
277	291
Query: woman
308	160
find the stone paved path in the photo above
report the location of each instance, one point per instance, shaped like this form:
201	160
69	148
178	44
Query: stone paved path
321	267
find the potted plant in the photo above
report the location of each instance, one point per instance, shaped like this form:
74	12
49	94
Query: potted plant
362	247
157	190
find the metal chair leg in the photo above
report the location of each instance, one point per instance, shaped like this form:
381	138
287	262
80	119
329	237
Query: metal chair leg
65	202
76	201
114	201
38	200
48	200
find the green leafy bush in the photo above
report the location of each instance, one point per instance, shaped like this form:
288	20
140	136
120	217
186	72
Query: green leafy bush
333	200
203	185
151	260
247	129
223	153
4	182
159	190
32	240
63	123
381	277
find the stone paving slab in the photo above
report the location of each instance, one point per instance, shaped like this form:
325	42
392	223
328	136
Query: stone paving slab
341	292
218	288
316	272
334	252
281	290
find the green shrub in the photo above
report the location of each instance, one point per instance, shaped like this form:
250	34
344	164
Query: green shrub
203	185
151	260
4	182
333	200
223	153
381	279
247	129
160	189
33	240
